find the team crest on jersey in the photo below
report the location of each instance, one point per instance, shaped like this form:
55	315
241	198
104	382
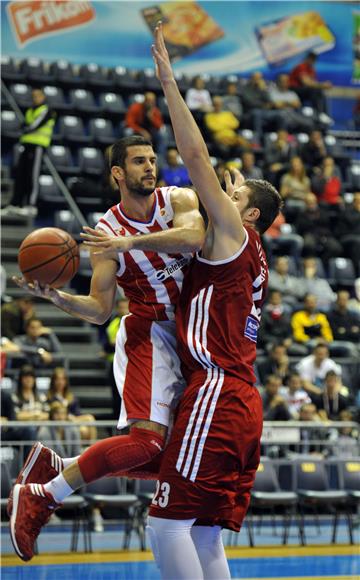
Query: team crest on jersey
176	265
121	231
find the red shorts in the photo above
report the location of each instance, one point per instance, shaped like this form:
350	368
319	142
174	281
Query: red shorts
209	465
147	370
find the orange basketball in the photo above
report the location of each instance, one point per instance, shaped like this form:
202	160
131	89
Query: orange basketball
50	256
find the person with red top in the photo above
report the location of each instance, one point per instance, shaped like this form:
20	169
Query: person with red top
145	118
209	464
304	81
143	245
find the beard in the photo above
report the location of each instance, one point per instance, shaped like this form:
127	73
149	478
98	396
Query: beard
137	187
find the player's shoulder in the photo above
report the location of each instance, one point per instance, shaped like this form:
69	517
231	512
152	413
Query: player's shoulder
183	196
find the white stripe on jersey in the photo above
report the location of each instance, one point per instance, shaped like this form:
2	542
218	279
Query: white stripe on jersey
197	327
161	292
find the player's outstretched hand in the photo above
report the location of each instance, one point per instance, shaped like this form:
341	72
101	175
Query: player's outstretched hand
233	180
161	58
35	289
107	246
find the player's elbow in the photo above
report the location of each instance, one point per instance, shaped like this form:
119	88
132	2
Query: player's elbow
195	238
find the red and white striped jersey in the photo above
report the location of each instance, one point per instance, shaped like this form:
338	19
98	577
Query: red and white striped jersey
219	310
151	281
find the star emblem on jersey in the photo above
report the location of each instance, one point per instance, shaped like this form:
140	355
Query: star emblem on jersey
121	231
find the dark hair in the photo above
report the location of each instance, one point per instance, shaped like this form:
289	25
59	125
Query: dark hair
267	199
52	392
25	371
311	55
118	151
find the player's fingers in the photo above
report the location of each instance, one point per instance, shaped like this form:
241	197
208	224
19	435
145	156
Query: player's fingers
228	183
93	232
21	282
238	177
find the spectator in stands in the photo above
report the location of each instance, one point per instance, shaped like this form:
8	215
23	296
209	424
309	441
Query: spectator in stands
274	405
319	287
281	280
345	324
309	324
304	81
313	368
14	316
348	231
330	402
198	98
36	136
8	413
174	172
287	101
65	441
232	101
275	320
294	395
314	225
277	155
40	345
222	127
248	167
309	435
29	405
59	392
257	102
276	364
346	439
314	151
146	119
327	183
279	238
295	184
354	303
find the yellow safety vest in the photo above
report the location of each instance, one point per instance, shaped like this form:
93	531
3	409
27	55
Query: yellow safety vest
42	135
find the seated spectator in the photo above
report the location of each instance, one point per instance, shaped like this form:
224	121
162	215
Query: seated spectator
345	324
275	321
14	316
232	101
314	151
65	441
40	345
294	395
256	101
274	405
348	231
354	303
346	439
281	280
277	155
310	435
197	98
146	119
276	364
310	324
314	225
29	405
313	368
330	402
222	127
59	391
248	167
287	101
327	183
8	413
304	81
317	286
295	184
174	172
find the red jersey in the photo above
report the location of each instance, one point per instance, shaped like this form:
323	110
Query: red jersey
301	69
219	310
151	281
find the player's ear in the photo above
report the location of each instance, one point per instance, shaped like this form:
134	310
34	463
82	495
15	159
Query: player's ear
117	172
252	214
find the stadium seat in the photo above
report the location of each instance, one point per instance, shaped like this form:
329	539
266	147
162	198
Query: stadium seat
10	70
66	74
22	94
353	176
349	481
95	75
112	104
101	131
36	70
341	272
62	159
49	192
91	161
149	80
55	98
83	101
65	220
125	79
72	130
144	490
10	125
183	81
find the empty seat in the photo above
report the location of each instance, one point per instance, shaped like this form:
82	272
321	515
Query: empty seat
55	98
149	80
22	94
36	70
341	272
112	103
101	131
10	125
95	75
65	219
66	74
49	190
83	101
353	176
62	159
10	70
73	130
91	161
126	79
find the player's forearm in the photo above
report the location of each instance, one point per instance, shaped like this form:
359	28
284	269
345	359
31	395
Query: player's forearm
174	240
85	307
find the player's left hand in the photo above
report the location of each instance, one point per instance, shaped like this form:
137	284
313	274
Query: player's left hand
161	58
107	246
233	180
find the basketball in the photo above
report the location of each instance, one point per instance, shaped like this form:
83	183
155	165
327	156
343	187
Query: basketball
50	256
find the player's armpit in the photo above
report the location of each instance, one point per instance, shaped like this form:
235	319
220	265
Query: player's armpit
185	204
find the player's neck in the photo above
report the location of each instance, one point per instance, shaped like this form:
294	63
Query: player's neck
137	207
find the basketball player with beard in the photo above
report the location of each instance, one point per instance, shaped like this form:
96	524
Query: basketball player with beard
156	231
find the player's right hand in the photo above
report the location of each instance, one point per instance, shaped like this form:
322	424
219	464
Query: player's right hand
161	58
35	289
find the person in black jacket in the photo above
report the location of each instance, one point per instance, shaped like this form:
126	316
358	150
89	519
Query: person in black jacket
345	325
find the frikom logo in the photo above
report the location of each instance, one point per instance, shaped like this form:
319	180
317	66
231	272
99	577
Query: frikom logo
162	275
33	19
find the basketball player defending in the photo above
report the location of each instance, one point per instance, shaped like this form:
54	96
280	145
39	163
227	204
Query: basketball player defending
209	465
146	242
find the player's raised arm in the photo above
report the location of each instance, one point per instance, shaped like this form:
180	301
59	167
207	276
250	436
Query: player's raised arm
221	211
